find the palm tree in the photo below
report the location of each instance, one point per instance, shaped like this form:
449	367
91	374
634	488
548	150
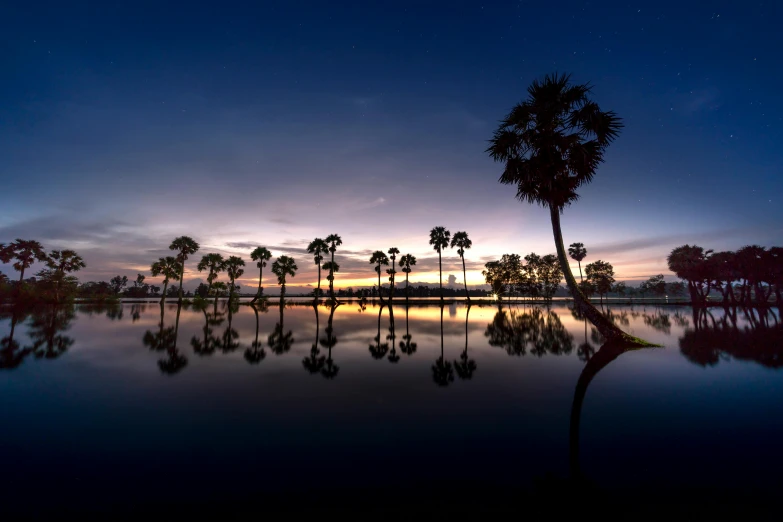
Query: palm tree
462	242
281	268
25	252
406	262
551	144
393	251
169	268
62	262
578	252
333	268
234	271
185	246
439	239
317	248
378	258
465	366
334	241
215	264
261	255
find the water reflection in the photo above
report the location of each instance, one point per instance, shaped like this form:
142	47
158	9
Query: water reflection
407	346
255	354
330	369
280	341
536	332
442	370
379	349
465	366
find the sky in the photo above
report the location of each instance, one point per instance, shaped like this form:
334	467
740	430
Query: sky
126	124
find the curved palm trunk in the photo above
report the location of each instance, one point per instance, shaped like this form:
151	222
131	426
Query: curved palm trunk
181	280
607	329
440	277
605	355
465	279
581	279
165	287
258	292
255	344
317	326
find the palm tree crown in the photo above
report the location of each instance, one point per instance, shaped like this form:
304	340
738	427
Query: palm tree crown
439	239
282	267
234	269
378	258
185	245
261	255
65	261
25	252
214	263
317	248
553	142
578	252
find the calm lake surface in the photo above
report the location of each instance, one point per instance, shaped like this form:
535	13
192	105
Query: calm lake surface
135	406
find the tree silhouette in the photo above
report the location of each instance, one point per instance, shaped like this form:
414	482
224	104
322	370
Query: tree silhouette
691	263
210	342
551	145
261	255
393	251
282	267
578	252
406	262
318	247
406	345
185	246
466	366
314	363
378	258
60	263
601	275
234	271
174	361
24	253
439	239
279	340
215	264
257	354
168	267
442	370
334	241
229	341
333	268
462	242
535	332
330	369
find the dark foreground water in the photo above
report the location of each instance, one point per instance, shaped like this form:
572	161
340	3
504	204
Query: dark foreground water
208	413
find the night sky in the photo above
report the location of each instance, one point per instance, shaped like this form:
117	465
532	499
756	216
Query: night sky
125	124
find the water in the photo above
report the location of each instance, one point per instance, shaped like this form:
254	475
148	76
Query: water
112	410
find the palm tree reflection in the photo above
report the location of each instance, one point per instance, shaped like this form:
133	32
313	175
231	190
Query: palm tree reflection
406	345
45	328
378	350
255	354
175	361
442	370
279	340
330	369
393	356
315	361
465	366
11	353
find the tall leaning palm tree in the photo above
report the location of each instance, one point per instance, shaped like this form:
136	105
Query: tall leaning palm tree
261	255
168	267
462	242
318	247
282	267
24	252
215	264
185	245
393	251
334	241
234	271
378	258
551	145
63	262
406	262
439	239
578	252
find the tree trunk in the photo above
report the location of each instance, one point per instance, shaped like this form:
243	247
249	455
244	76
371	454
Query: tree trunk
408	289
380	295
331	279
440	274
607	329
258	292
465	278
21	275
182	278
165	287
581	279
230	293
